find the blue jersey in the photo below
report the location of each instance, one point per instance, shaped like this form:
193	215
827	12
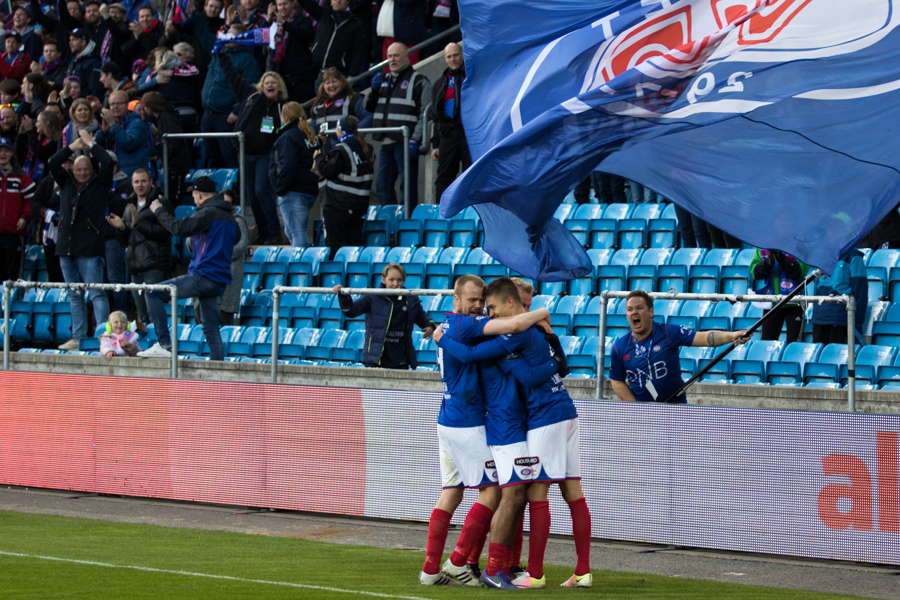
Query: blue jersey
530	355
463	403
506	415
655	357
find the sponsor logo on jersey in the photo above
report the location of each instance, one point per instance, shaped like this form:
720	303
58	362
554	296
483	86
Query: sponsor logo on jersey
527	461
490	464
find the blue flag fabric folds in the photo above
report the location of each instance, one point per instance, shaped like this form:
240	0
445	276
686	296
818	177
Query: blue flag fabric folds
770	119
264	36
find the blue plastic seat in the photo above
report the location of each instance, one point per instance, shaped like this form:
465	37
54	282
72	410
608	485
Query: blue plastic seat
869	360
612	276
548	302
332	272
398	254
258	314
436	233
584	362
296	345
690	313
323	349
463	232
674	276
662	233
647	211
618	210
643	275
409	231
380	230
601	233
249	336
828	366
358	273
564	211
631	233
752	368
690	356
571	344
471	264
562	318
789	369
878	268
886	333
439	274
875	311
351	349
722	316
704	278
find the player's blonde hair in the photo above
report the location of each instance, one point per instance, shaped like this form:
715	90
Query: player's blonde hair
463	280
523	285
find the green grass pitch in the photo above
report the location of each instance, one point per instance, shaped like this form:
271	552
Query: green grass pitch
60	557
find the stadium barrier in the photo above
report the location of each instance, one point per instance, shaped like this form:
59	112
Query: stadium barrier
847	300
784	482
9	285
191	136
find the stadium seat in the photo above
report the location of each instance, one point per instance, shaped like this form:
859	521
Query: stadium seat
426	352
564	211
828	365
439	274
358	273
34	262
642	276
397	254
324	348
415	268
602	233
584	362
690	313
249	336
662	233
704	278
463	232
612	276
587	285
332	272
869	360
874	312
647	211
587	322
471	264
878	268
380	230
752	314
886	333
789	369
690	356
258	314
351	349
631	233
436	233
409	231
562	318
296	345
674	276
618	210
548	302
722	316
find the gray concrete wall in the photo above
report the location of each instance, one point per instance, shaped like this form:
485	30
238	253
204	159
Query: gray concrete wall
707	394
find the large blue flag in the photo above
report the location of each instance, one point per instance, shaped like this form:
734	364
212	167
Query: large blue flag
771	119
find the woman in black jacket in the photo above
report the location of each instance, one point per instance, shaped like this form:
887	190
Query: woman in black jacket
259	119
389	322
290	171
167	121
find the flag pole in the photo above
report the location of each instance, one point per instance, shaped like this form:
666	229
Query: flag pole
749	331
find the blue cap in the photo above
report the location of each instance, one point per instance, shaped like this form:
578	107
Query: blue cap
344	124
6	142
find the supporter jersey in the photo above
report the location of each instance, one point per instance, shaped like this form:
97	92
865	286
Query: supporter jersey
463	403
547	401
655	357
506	421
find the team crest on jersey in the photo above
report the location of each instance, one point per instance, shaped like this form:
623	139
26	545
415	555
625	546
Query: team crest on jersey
339	102
657	348
404	85
627	357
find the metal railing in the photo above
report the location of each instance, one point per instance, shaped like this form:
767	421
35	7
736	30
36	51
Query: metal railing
278	290
405	131
849	301
375	68
9	285
190	136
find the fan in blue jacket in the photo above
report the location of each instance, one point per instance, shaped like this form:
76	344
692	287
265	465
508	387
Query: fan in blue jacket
389	322
849	277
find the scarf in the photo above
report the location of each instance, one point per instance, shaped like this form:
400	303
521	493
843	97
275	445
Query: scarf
49	66
281	39
150	29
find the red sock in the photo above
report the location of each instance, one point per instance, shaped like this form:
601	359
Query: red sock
477	520
537	539
478	549
437	537
516	558
498	558
581	532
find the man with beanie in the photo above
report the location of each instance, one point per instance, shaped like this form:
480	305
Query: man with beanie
214	232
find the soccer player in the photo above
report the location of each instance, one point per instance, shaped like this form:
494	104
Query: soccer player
466	460
645	366
552	430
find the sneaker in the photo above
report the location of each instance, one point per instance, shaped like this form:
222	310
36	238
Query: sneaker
462	574
70	345
155	351
476	571
500	581
526	581
582	581
436	579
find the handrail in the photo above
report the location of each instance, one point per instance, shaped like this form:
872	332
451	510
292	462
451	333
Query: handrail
9	284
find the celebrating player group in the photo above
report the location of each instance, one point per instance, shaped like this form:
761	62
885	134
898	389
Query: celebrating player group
508	428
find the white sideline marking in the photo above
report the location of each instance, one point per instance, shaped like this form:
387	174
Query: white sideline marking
209	575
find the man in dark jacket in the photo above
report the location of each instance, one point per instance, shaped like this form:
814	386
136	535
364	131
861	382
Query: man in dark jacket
292	58
389	322
214	232
80	242
84	62
450	148
339	37
148	245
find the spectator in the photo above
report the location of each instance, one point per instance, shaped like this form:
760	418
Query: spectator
292	58
339	37
118	14
215	234
118	339
607	188
81	116
21	24
217	98
37	142
146	34
179	83
35	93
166	121
259	119
400	99
405	24
80	243
848	278
84	62
16	192
645	365
177	34
348	173
780	273
148	245
231	299
119	35
8	120
448	140
14	64
125	133
290	171
53	27
337	99
248	14
71	91
389	322
112	80
50	65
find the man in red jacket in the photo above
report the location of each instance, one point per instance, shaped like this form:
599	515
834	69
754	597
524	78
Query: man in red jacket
16	190
15	62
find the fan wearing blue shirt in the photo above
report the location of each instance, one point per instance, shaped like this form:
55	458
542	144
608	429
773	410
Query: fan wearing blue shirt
645	365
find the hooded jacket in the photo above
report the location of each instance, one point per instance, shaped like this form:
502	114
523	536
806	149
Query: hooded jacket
86	66
148	245
82	209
